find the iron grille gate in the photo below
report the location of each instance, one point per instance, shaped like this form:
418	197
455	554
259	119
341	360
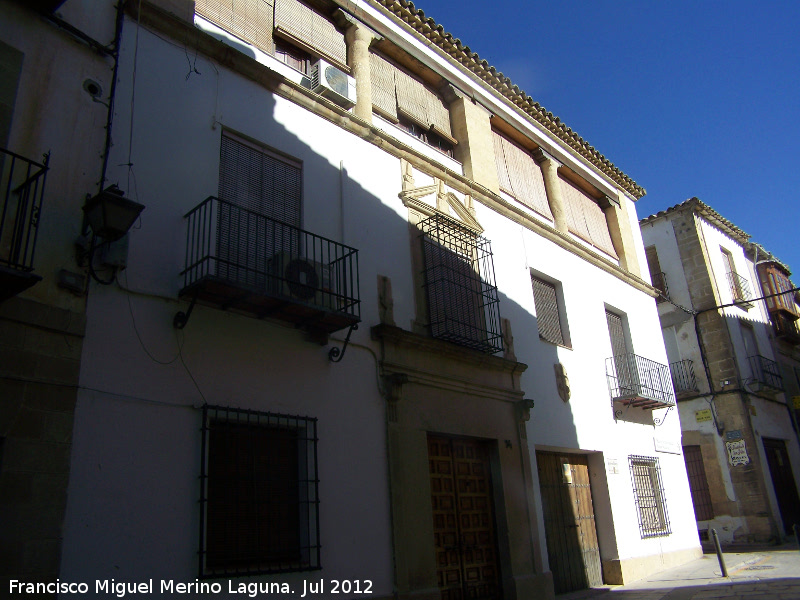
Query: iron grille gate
463	305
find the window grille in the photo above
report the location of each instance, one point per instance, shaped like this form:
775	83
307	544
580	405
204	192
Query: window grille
259	500
463	305
698	483
547	318
648	491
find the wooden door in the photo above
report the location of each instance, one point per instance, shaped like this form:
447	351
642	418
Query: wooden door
572	546
463	519
780	469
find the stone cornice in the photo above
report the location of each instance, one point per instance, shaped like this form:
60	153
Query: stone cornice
434	33
425	343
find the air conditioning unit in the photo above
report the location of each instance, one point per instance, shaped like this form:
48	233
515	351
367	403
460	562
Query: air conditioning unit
332	83
303	280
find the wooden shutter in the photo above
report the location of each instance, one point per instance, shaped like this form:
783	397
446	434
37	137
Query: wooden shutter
310	29
10	69
585	218
251	20
546	301
698	483
520	175
652	261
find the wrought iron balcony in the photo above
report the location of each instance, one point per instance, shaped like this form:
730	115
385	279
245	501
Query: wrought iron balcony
765	372
683	379
242	260
637	381
785	326
660	283
22	184
740	288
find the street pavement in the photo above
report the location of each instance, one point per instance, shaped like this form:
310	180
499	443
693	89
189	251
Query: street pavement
768	573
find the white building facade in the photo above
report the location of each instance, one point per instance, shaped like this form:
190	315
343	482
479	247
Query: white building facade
739	434
384	324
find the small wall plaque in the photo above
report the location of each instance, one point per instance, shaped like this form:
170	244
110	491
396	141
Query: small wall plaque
702	415
732	436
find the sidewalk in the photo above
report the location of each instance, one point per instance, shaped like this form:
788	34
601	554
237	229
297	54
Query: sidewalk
772	573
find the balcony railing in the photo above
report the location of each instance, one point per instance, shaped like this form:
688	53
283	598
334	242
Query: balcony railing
740	288
22	184
683	379
242	260
660	283
636	381
785	326
765	371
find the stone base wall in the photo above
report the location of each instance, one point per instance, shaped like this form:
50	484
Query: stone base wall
40	349
621	571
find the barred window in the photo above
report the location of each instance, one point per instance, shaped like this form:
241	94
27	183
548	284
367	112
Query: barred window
546	301
648	491
463	305
259	503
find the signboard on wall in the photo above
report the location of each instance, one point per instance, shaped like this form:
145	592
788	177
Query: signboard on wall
702	415
732	436
737	453
669	446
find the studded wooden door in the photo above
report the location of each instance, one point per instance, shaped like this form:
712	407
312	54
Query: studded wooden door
572	547
463	519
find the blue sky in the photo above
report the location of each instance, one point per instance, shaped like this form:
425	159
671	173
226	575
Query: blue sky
687	98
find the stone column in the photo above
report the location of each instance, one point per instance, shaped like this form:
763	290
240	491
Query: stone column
358	39
552	186
619	226
472	129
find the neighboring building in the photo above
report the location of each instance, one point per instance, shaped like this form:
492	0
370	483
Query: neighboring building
739	434
316	358
55	84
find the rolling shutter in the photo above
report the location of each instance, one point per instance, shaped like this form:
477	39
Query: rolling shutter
520	175
396	93
309	29
585	218
250	20
546	301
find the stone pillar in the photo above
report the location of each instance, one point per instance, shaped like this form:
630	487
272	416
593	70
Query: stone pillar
619	226
472	129
358	39
552	186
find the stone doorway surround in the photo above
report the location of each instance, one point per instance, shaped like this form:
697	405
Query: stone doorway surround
435	387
